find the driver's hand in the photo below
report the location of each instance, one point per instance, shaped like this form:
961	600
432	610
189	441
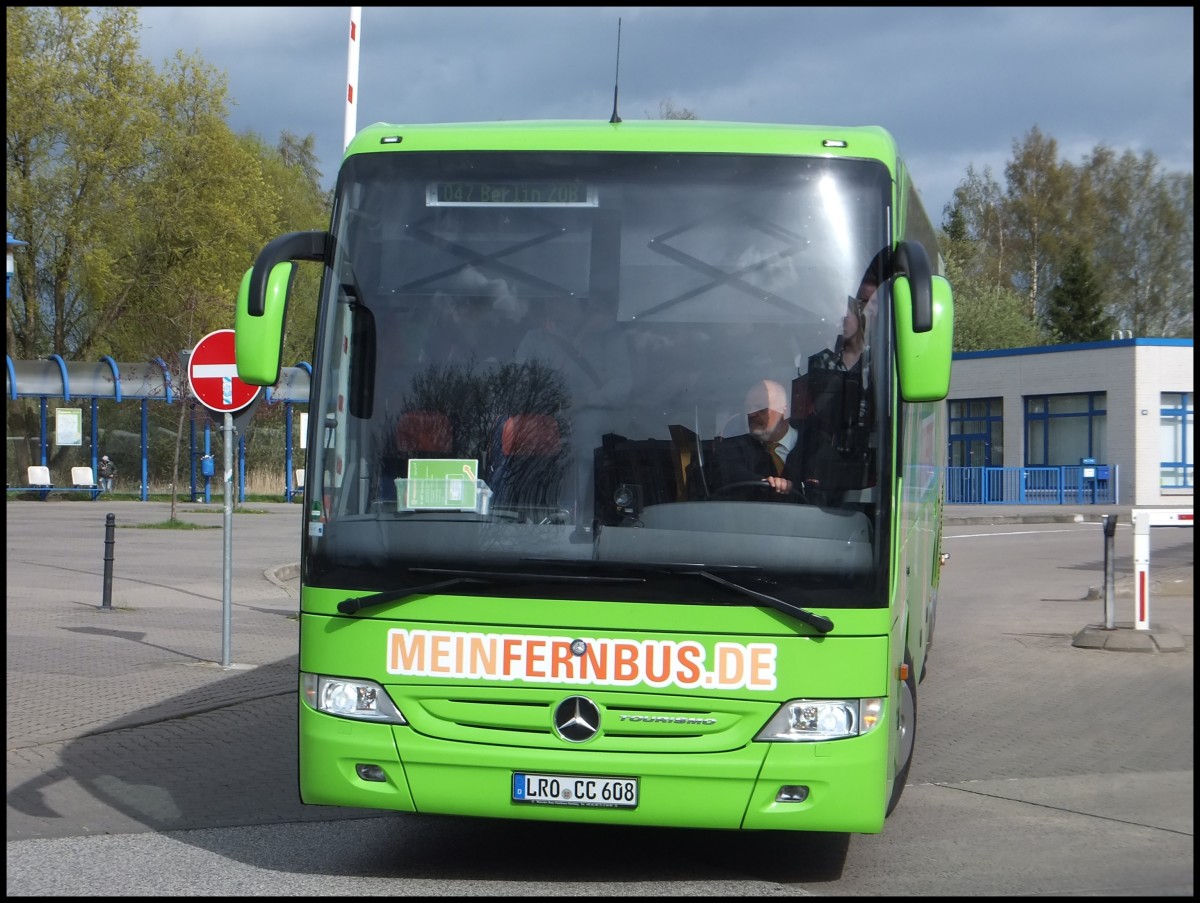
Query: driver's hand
780	484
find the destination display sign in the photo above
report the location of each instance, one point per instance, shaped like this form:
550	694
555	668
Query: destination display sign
510	194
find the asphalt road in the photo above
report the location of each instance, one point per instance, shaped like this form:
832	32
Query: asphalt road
137	765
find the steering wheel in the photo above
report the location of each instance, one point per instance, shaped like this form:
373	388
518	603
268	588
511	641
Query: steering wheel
748	487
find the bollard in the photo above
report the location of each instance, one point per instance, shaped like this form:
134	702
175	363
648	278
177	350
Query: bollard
110	529
1110	607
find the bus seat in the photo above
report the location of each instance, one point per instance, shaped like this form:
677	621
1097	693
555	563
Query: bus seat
529	434
419	434
525	461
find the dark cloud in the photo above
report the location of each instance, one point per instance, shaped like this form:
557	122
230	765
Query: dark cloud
955	86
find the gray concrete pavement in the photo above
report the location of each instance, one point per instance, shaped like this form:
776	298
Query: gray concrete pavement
98	697
1123	636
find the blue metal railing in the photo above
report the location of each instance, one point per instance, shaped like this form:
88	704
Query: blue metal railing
1066	484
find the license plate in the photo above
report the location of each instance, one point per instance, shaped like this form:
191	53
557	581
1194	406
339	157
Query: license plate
574	790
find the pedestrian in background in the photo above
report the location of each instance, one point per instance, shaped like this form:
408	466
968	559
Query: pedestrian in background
107	471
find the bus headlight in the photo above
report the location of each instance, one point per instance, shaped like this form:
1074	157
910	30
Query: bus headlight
806	720
363	700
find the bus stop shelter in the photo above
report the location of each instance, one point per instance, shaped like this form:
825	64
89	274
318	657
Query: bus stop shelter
143	382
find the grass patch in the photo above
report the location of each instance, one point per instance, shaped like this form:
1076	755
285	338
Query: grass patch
176	524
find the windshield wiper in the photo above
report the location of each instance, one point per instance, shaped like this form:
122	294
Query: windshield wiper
821	623
460	577
457	578
350	606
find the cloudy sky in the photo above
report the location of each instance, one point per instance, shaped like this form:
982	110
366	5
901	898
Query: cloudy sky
956	86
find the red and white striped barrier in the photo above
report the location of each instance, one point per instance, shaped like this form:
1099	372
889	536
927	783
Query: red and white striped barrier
1143	520
352	75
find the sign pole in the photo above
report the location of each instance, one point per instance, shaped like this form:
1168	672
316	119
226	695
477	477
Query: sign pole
227	557
1143	520
212	376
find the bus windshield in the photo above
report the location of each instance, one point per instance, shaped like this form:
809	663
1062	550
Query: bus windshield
575	365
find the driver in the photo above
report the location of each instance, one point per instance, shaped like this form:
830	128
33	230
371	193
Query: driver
770	452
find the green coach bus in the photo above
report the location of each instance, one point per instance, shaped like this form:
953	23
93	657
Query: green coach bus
533	584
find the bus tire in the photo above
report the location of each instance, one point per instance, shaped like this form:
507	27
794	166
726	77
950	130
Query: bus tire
907	713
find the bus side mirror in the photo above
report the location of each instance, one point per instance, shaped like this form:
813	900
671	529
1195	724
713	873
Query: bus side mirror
262	304
923	356
913	262
258	340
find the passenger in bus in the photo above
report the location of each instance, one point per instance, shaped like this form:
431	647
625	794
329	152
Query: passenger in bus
770	452
850	349
851	352
837	409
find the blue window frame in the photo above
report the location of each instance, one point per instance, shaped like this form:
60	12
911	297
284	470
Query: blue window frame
1062	429
976	432
1176	444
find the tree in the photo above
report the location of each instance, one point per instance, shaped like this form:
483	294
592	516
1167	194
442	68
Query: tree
74	163
976	226
128	186
668	110
988	312
141	208
301	206
1072	314
1039	190
1133	225
300	154
987	315
1145	248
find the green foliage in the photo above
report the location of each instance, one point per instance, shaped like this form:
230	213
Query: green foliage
176	524
1036	217
1072	314
1147	255
995	318
987	314
80	113
290	170
141	208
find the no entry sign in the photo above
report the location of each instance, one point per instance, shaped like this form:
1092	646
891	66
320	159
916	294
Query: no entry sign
212	374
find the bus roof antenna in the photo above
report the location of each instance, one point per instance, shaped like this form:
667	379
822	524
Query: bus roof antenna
617	76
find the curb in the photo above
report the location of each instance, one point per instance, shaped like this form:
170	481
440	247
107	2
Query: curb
1124	638
985	520
281	575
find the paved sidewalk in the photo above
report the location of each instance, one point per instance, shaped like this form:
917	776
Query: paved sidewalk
74	666
1036	514
1164	580
96	695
